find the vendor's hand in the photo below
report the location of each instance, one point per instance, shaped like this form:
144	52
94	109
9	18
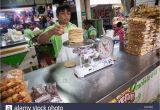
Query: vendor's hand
58	30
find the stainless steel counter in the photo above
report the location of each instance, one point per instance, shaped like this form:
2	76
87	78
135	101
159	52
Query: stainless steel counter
12	44
100	86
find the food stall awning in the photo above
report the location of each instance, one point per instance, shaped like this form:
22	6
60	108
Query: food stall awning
100	2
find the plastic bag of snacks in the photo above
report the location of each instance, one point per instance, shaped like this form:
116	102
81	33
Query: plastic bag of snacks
13	74
14	91
45	94
13	88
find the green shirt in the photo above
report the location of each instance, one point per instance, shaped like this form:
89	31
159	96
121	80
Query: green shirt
91	32
57	40
29	33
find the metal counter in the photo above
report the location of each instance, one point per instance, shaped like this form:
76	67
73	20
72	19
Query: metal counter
12	44
100	86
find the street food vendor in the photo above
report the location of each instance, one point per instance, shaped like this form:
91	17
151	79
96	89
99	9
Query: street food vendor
28	33
91	32
58	33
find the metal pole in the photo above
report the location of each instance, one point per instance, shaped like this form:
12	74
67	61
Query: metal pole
88	9
78	9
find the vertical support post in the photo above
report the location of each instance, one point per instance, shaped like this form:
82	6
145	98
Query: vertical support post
88	9
78	9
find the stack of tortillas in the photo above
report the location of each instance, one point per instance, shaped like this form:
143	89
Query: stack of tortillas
69	64
76	35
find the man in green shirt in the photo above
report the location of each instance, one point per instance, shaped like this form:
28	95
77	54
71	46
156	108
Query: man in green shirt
28	33
55	31
91	32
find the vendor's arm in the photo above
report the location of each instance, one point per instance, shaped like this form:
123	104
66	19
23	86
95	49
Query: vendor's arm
50	31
